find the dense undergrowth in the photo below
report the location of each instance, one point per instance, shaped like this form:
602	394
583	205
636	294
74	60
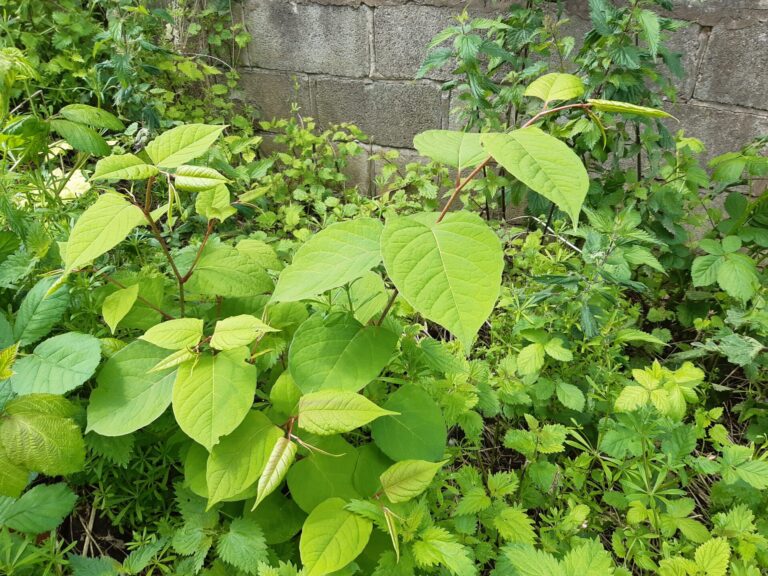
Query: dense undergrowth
221	361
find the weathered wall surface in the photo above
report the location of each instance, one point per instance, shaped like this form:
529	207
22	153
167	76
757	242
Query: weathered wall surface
355	60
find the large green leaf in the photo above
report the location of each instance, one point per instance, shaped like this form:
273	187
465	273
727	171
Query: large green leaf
123	167
332	537
333	257
335	411
182	144
40	510
407	479
100	228
196	178
40	311
80	137
129	396
338	352
543	163
417	433
94	117
43	443
319	476
555	86
58	365
238	460
223	271
213	394
450	272
458	149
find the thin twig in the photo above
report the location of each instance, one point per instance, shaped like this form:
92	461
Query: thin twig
387	308
199	252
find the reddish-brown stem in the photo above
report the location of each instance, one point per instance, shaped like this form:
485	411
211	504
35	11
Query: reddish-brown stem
387	308
208	231
485	162
148	194
167	251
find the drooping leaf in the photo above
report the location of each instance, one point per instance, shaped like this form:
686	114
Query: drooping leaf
330	412
457	149
129	394
555	86
338	353
123	167
417	433
213	394
280	459
626	108
175	334
407	479
543	163
100	228
81	138
118	304
332	537
58	365
333	257
181	144
450	272
239	458
214	203
91	116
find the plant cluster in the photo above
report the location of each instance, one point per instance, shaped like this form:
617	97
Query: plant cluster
224	362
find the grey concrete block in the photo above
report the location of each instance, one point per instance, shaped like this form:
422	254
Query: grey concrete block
308	37
400	38
734	66
272	93
689	42
391	113
720	128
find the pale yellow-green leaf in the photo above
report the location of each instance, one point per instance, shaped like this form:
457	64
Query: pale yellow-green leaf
458	149
175	334
555	86
123	167
280	459
238	331
626	108
182	144
196	178
407	479
118	304
330	412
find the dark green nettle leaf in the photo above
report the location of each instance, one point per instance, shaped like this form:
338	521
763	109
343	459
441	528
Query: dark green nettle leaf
337	352
543	163
41	509
332	537
58	365
213	394
450	272
129	395
40	311
333	257
458	149
417	433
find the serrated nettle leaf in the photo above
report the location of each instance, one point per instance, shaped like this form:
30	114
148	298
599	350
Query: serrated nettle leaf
543	163
58	365
338	352
176	334
129	394
46	404
238	331
555	86
123	167
40	310
530	359
407	479
13	478
213	394
556	349
44	443
80	137
181	144
243	546
214	203
332	537
196	178
239	458
117	305
734	272
333	257
713	556
458	149
40	510
94	117
336	411
281	457
100	228
626	108
448	272
570	396
7	359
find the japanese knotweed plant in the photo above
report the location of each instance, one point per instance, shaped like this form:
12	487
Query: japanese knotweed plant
276	383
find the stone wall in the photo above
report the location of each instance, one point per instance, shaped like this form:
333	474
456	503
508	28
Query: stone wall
355	60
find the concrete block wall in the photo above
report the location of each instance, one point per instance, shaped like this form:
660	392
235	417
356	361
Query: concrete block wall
355	61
